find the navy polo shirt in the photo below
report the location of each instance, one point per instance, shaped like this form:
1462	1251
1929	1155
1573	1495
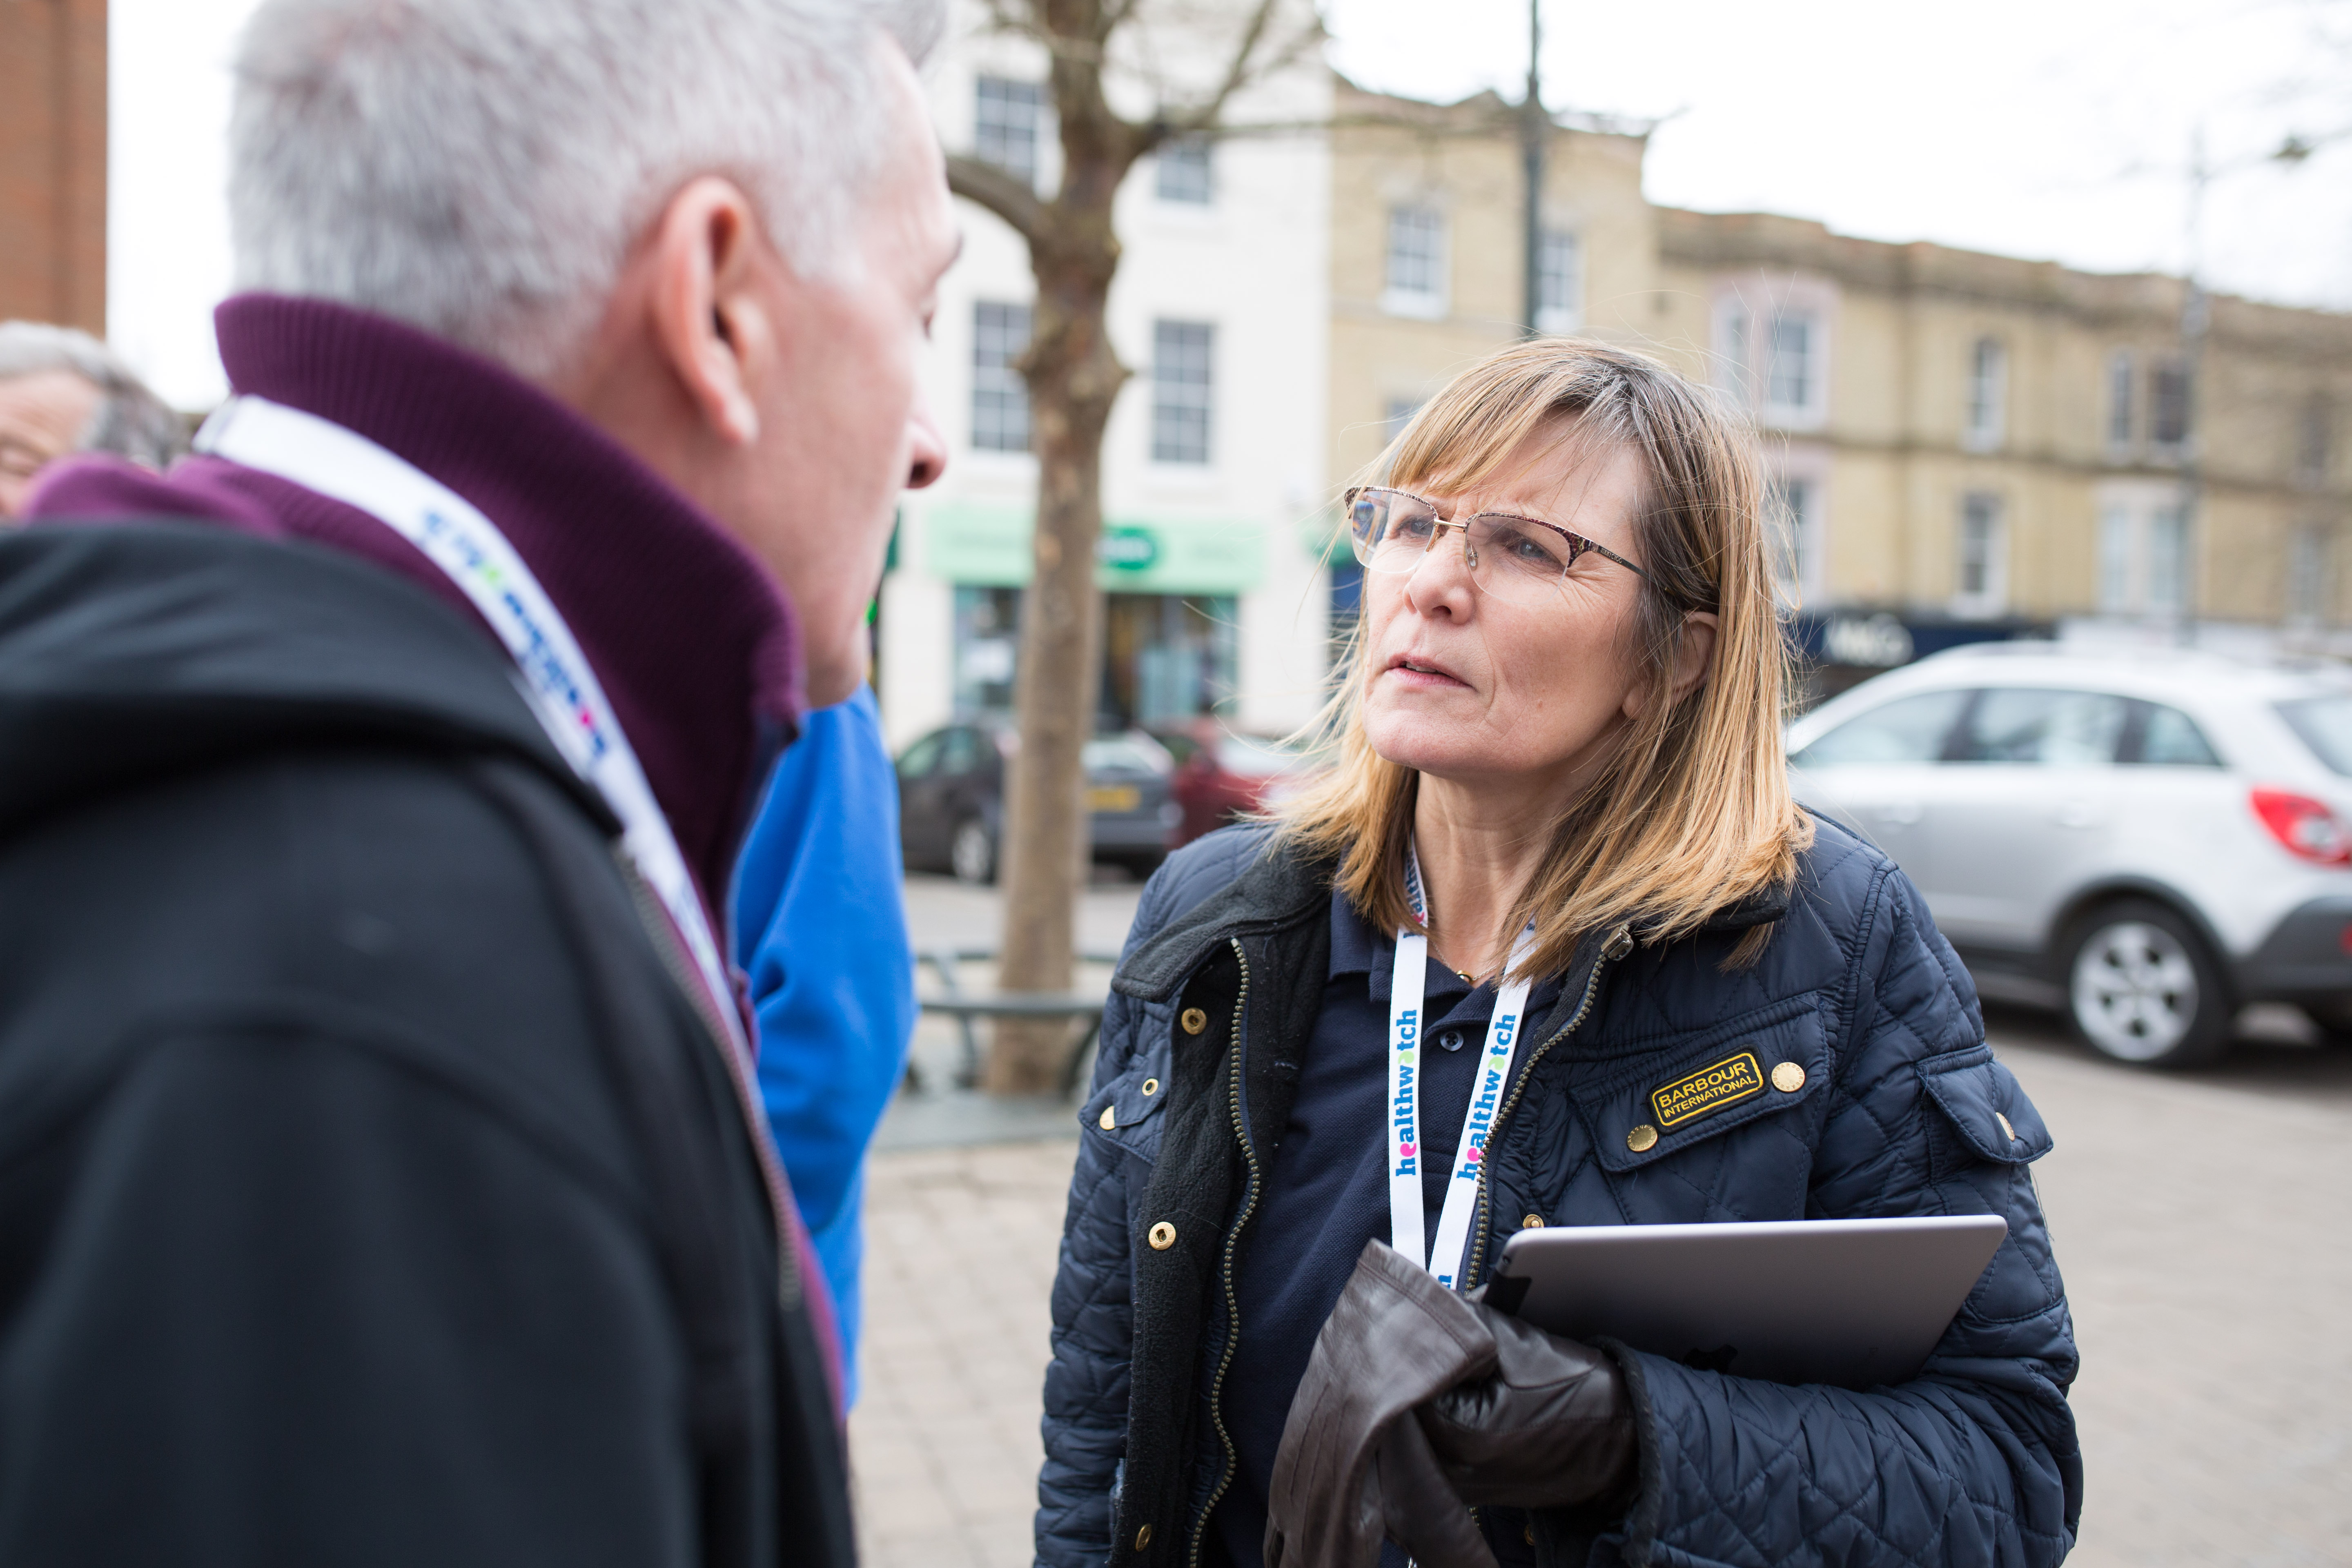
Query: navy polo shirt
1327	1193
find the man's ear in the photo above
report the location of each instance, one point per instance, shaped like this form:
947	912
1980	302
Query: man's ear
708	317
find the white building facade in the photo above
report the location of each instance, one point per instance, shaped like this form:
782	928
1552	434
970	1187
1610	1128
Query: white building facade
1214	464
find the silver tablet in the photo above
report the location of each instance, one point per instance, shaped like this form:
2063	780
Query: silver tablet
1856	1302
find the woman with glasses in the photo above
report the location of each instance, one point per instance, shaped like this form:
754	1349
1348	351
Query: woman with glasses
1551	946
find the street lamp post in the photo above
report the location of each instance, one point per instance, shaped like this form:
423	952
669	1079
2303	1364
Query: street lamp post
2196	322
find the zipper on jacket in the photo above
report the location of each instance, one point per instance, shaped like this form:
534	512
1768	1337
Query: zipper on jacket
1495	1133
1225	1272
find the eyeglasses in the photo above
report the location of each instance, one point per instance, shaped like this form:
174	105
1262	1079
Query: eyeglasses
1516	558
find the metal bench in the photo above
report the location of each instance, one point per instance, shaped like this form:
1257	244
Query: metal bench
953	1001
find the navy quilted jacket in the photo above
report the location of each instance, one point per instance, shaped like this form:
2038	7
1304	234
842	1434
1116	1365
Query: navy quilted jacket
1904	1111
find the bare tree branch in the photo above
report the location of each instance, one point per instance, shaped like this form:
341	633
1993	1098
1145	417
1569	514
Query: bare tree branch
1242	70
1009	197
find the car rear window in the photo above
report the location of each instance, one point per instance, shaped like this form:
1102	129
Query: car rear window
2033	724
1909	730
2174	741
2326	725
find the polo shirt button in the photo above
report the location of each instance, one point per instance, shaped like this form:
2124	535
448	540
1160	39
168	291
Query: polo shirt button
1450	1040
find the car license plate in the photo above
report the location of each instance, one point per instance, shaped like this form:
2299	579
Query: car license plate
1113	797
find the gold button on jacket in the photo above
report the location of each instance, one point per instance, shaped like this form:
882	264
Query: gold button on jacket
1161	1236
1109	1120
1788	1078
1193	1020
1643	1136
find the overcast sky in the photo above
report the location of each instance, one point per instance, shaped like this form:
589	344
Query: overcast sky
2058	128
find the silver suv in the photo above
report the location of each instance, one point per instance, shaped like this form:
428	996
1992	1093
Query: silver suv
2150	840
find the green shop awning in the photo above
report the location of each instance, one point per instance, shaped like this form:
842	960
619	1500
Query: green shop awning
989	546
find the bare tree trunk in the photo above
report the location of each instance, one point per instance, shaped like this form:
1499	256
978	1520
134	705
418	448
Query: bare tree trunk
1074	378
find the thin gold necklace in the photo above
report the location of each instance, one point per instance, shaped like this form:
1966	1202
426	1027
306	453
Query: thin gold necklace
1463	973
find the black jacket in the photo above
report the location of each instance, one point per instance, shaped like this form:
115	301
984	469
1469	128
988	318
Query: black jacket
1901	1110
370	1193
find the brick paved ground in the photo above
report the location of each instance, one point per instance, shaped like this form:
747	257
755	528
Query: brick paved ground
2200	1222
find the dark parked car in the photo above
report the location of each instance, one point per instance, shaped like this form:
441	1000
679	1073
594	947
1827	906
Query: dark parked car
1221	778
951	800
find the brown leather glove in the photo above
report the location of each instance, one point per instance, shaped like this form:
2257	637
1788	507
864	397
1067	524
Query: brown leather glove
1350	1469
1552	1426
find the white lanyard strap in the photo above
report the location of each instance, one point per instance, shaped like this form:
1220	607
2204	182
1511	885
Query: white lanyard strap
563	690
1406	1030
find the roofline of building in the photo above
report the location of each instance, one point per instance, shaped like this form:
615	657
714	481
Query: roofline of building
1486	111
2136	299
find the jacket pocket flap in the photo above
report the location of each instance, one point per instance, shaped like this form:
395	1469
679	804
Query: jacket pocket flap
1128	1104
1987	1106
1769	1062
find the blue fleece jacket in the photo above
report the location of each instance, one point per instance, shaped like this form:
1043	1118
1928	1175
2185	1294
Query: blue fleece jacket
820	929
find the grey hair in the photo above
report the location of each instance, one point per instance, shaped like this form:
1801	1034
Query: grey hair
479	168
131	421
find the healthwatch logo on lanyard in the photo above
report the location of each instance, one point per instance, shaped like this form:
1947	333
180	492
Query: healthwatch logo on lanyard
1406	983
562	691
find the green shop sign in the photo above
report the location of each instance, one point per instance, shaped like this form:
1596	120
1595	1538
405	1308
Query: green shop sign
990	546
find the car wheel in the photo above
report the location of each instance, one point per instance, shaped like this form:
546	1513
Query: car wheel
2142	987
971	852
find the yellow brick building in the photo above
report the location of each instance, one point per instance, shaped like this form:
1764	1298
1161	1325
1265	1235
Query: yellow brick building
1962	443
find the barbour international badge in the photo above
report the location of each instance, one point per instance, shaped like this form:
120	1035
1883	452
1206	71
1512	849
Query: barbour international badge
1728	1082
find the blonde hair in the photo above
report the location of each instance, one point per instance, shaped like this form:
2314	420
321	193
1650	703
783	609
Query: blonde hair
1691	813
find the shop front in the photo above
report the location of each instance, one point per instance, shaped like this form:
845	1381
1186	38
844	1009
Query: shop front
1171	646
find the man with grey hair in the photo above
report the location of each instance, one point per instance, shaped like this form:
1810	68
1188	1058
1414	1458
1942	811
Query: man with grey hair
385	1180
63	391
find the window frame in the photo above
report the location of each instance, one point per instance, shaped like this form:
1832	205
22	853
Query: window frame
1800	538
1989	597
1430	303
1984	416
2314	428
1750	341
2308	573
2171	389
1809	378
2123	403
1561	310
996	380
1172	396
1179	152
1005	92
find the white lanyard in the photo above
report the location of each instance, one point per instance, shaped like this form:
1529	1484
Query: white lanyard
563	692
1405	1030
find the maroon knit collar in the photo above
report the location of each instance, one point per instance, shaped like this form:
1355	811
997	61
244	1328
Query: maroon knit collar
695	644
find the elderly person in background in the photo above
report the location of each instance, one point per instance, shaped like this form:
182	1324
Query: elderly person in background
63	391
382	1174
